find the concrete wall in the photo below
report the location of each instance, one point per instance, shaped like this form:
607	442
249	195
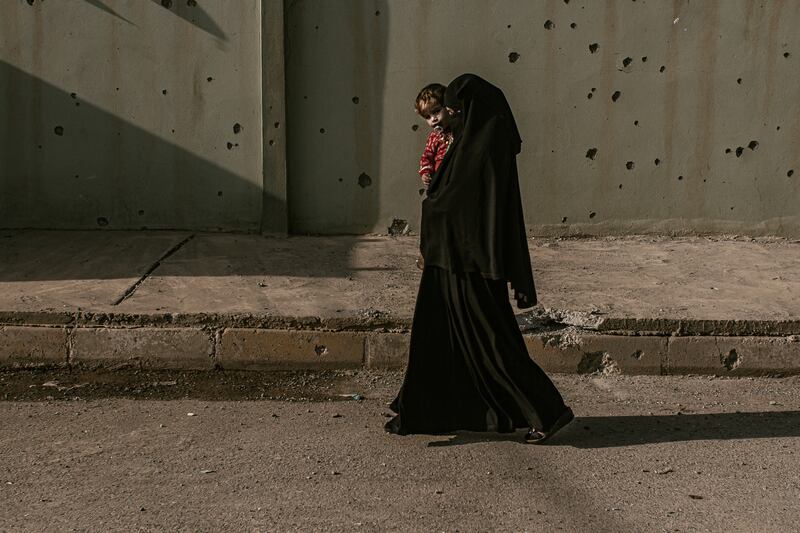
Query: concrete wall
703	135
121	114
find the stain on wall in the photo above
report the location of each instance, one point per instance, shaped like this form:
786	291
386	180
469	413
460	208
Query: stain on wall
631	112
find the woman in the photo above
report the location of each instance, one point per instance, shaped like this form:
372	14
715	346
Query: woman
468	366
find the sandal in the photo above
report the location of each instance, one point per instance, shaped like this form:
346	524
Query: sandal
535	436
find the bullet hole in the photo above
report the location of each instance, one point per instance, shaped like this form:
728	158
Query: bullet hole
117	89
589	96
591	153
778	128
592	214
594	89
615	96
237	128
341	180
727	150
322	130
731	360
77	176
355	99
620	185
364	180
77	104
731	208
305	97
421	191
512	57
30	2
316	27
73	95
680	178
509	26
753	145
229	145
657	161
786	54
635	122
644	59
164	91
739	81
790	173
236	144
209	79
40	147
399	227
593	47
277	125
662	69
573	25
191	3
739	151
219	193
102	222
563	220
704	180
59	130
167	3
271	142
627	62
629	165
141	212
566	1
377	13
414	127
548	24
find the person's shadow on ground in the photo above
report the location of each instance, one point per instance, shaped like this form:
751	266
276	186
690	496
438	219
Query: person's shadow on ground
612	431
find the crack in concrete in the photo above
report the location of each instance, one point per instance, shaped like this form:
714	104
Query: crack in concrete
129	292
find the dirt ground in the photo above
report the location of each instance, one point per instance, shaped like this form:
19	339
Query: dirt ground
100	451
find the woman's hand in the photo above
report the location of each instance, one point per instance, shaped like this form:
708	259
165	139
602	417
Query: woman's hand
426	180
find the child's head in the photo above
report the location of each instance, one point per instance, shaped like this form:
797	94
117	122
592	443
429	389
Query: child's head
430	105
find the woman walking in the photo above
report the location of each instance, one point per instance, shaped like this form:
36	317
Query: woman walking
468	365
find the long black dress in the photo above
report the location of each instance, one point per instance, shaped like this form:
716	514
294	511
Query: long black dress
468	365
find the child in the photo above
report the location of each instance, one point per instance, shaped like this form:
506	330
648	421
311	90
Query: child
430	106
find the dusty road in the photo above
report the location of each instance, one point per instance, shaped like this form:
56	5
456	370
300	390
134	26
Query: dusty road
644	454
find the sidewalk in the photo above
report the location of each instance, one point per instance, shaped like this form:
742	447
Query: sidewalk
181	300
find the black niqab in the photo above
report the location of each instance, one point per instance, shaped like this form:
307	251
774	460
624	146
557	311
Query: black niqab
472	216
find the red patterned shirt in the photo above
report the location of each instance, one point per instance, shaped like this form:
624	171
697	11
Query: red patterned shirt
435	149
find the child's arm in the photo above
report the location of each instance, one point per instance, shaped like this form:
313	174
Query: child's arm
427	161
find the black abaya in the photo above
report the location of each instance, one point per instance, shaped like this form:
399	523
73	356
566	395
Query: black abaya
468	367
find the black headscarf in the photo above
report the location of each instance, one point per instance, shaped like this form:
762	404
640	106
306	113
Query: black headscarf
472	216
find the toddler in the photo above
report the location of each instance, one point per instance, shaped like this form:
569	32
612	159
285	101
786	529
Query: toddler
430	106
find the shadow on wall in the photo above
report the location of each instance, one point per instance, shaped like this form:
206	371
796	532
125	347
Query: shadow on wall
336	61
190	12
69	164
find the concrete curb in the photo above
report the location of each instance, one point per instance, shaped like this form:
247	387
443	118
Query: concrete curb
568	350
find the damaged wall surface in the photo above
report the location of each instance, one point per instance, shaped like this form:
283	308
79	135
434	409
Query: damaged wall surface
131	114
636	116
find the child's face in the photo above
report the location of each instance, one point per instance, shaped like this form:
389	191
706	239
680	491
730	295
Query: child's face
436	116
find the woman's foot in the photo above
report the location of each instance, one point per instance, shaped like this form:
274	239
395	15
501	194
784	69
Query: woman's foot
420	262
393	425
535	436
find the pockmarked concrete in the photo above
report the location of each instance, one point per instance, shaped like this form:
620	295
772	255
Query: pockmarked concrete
640	305
645	453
